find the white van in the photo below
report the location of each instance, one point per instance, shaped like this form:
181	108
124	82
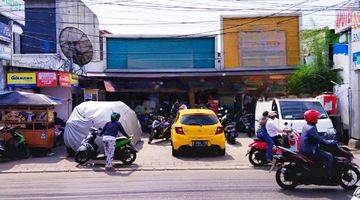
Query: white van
292	112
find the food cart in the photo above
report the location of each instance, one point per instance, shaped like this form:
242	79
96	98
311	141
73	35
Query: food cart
33	113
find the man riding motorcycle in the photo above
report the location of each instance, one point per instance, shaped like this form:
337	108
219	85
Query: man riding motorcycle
310	141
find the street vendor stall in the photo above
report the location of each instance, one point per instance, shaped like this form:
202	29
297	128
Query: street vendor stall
33	113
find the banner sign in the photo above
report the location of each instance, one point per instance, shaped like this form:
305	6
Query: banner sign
47	79
347	17
355	46
64	79
262	48
91	94
5	32
26	79
74	79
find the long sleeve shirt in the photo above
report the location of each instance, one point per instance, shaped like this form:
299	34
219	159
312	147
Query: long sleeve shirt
310	140
272	128
113	129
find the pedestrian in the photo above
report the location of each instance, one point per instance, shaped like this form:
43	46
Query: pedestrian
110	131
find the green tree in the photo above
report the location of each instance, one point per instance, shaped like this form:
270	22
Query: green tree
315	77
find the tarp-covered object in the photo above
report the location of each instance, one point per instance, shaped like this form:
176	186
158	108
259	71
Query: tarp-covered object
97	113
16	98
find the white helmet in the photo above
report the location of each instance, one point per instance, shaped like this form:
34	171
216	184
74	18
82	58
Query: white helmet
272	114
183	107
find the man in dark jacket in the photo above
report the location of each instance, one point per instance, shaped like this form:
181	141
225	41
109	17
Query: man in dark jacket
310	141
109	133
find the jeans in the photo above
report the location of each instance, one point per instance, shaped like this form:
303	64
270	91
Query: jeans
327	160
270	144
109	148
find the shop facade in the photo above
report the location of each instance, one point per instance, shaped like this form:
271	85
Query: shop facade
347	63
37	51
247	62
10	26
61	85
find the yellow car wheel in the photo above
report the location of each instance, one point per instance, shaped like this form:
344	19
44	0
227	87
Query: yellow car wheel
222	152
175	153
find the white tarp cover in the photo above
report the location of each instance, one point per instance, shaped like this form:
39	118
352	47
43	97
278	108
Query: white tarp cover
97	113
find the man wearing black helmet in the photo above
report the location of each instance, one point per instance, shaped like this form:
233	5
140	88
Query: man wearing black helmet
109	133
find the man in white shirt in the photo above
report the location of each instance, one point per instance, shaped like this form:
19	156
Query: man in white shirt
272	129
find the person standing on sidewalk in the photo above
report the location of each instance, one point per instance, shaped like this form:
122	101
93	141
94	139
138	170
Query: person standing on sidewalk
110	132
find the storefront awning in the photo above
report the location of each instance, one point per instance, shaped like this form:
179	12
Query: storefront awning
193	73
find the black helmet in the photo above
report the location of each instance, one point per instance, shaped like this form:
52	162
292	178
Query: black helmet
115	117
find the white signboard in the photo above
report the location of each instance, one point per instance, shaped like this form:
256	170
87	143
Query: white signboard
355	47
14	9
5	52
262	48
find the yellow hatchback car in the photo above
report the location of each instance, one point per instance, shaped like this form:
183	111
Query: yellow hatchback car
197	129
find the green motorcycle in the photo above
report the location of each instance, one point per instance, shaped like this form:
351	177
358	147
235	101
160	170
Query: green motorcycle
124	151
15	147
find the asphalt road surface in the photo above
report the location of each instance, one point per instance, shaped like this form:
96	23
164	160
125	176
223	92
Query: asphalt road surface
178	184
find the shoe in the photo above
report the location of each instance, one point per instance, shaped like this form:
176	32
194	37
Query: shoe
108	169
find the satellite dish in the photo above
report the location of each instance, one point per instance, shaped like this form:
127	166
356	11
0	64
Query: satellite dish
76	46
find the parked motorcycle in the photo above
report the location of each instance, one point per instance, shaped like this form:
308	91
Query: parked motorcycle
230	133
230	127
124	151
297	169
247	124
15	147
145	121
160	129
257	151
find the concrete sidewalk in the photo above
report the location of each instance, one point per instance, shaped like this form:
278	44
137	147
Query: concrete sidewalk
153	157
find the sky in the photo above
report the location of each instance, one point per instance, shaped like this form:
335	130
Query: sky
197	16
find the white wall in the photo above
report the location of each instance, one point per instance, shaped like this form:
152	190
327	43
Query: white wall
342	63
64	93
76	14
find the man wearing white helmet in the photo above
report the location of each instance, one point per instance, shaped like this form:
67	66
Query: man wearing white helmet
272	129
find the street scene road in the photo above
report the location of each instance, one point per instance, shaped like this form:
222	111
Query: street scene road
177	184
171	99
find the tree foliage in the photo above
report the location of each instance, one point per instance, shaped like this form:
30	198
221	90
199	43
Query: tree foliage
315	77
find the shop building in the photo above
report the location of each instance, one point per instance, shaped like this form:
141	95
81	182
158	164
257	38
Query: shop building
11	26
37	51
243	61
347	63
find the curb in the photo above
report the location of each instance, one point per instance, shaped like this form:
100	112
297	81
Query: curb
128	170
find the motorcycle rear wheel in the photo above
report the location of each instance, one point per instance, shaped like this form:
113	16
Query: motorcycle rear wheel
24	152
253	160
128	155
280	180
82	157
349	172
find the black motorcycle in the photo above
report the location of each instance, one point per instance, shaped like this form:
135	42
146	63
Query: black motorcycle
160	129
124	151
229	127
297	169
247	124
14	147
